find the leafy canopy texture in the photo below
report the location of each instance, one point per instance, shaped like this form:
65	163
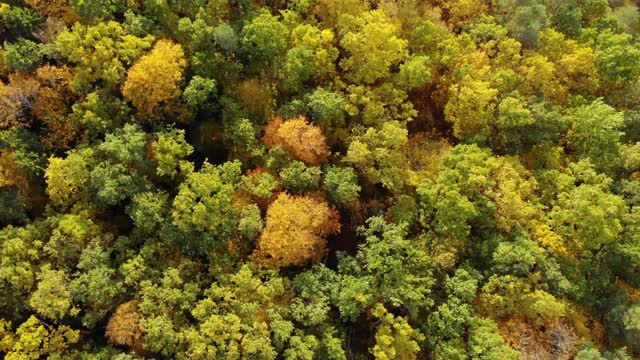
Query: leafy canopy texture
319	179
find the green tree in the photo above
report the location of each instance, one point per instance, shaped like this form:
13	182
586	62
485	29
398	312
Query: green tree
379	155
300	178
204	205
52	297
595	133
265	38
168	149
91	9
23	55
341	184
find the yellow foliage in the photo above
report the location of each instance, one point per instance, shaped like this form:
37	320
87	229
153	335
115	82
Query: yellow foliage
156	77
543	234
295	231
514	195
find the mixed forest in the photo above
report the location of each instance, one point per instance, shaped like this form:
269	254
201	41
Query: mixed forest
319	179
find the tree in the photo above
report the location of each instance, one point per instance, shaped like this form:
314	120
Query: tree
395	338
52	298
168	151
68	178
341	184
124	327
379	154
372	42
101	52
95	285
303	141
204	205
162	68
595	133
471	109
92	9
617	59
34	339
264	38
17	97
199	91
21	21
295	231
23	55
524	19
327	109
320	44
588	217
396	268
299	178
148	210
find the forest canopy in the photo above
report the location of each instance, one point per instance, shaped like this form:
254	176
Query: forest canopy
320	179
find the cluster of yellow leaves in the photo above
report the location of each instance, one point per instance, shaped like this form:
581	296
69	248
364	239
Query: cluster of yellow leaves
295	231
156	77
302	140
34	339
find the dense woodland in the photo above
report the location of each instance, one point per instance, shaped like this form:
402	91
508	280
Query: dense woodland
319	179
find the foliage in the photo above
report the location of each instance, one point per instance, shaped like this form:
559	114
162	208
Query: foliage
295	231
319	179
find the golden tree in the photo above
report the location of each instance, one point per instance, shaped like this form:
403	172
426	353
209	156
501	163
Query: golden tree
156	77
124	327
303	141
295	231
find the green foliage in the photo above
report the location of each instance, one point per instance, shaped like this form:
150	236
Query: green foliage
341	184
300	178
91	9
265	37
52	297
204	204
169	148
23	55
21	21
379	154
395	339
199	91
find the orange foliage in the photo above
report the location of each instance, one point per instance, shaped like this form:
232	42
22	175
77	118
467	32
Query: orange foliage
124	327
295	231
10	173
54	8
53	105
16	99
303	141
554	340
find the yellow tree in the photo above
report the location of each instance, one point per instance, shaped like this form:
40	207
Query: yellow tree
295	231
156	77
303	141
